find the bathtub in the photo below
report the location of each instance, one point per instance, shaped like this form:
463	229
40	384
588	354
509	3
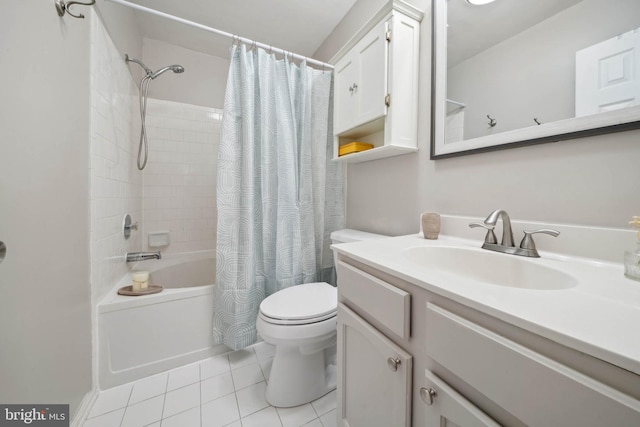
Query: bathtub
144	335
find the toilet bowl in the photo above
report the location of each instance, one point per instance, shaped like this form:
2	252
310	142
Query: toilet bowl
301	322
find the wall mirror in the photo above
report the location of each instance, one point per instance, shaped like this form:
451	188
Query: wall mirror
519	72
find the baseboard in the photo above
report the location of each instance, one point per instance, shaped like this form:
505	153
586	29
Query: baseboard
84	409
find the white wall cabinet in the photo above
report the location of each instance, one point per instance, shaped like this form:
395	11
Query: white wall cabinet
361	81
376	85
468	368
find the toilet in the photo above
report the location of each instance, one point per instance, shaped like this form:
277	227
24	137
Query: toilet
301	322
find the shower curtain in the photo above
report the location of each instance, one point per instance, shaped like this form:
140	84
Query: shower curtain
279	195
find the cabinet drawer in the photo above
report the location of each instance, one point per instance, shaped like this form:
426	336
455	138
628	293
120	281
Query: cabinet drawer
535	389
384	302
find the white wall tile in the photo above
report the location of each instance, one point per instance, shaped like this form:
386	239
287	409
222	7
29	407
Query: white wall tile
116	184
177	184
180	178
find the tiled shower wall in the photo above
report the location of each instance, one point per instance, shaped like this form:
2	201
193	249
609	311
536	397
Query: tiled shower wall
116	184
176	190
180	177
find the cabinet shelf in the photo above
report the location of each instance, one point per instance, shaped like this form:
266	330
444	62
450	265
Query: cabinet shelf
376	153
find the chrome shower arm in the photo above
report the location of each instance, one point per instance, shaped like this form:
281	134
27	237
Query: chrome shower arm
146	69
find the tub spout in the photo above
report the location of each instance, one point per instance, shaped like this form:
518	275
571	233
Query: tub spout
141	256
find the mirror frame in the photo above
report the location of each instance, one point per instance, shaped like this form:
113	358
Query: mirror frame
561	130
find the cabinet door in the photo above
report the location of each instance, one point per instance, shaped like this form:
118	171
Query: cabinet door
445	407
371	80
374	376
345	94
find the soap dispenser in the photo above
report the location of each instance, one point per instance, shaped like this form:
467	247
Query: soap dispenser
632	257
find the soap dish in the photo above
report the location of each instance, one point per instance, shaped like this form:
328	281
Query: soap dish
128	290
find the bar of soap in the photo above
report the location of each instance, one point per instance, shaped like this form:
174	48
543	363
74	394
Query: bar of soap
431	225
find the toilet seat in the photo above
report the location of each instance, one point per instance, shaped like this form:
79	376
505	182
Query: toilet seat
299	305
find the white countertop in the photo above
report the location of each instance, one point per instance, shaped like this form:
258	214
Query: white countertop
600	316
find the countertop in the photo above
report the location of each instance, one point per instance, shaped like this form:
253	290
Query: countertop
600	316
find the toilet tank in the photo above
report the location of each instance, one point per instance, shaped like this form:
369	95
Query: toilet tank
348	235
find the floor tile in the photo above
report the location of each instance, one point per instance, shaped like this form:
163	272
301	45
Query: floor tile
325	404
247	375
214	366
267	417
297	416
220	412
109	419
203	394
184	376
147	388
110	400
329	419
215	387
181	399
242	357
251	399
143	413
190	418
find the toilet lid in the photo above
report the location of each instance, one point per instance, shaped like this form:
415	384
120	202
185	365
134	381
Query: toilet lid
311	301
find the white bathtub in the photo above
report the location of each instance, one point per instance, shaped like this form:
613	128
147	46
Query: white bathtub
145	335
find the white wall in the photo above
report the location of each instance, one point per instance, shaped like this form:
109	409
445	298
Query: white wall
202	83
590	181
122	26
45	323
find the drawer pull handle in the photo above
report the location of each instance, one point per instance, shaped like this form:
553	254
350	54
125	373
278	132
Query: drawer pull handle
393	363
427	395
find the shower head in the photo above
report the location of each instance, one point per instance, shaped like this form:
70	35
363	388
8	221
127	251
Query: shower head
175	68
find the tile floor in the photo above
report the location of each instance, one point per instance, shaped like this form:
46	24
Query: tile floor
226	390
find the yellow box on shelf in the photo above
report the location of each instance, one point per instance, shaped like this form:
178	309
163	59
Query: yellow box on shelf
354	147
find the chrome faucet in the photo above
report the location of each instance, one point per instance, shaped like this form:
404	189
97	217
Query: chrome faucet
141	256
507	234
527	245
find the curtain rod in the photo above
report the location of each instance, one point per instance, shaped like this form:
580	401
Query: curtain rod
222	33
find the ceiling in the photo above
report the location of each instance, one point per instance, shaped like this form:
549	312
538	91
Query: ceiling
473	29
298	26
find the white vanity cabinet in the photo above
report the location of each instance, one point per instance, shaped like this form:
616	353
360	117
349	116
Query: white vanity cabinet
376	85
375	374
530	386
465	368
448	408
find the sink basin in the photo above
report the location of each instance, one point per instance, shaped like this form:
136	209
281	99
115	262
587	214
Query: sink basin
490	267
